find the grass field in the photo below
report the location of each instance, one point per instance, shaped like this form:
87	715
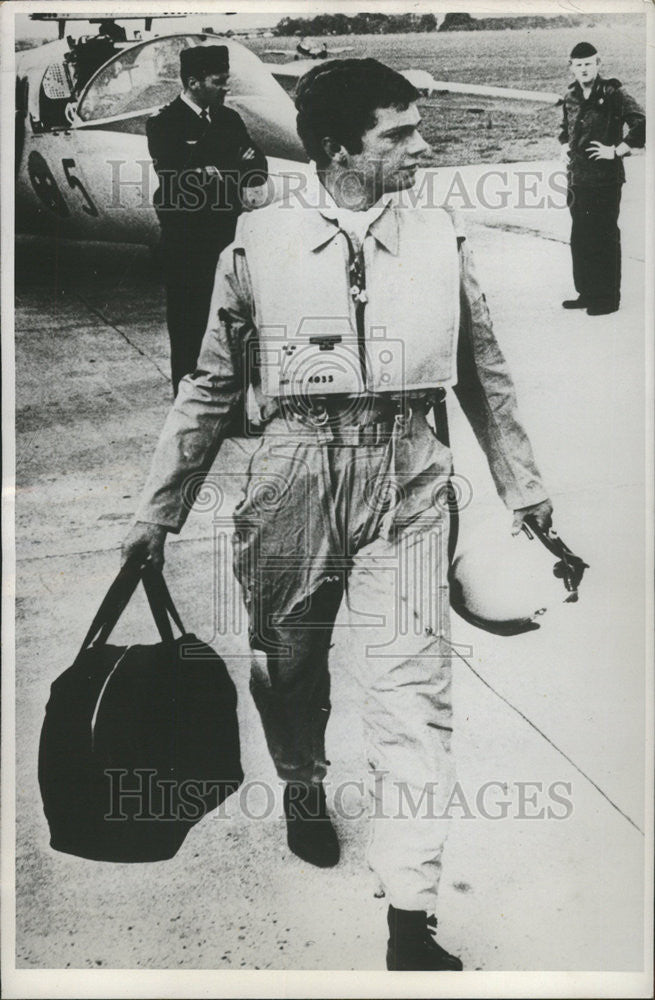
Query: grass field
465	131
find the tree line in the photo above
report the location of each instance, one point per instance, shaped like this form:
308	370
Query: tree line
368	23
464	22
371	23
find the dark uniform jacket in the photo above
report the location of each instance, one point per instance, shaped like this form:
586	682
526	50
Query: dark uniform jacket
600	118
180	143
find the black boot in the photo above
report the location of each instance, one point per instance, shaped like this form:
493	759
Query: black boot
412	947
602	308
579	303
310	833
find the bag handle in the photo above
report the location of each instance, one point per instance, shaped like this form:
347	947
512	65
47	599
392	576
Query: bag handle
114	603
118	597
161	602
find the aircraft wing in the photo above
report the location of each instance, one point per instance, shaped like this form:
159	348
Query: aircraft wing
424	81
294	70
540	96
291	70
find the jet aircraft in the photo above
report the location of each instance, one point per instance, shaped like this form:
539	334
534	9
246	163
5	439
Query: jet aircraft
83	170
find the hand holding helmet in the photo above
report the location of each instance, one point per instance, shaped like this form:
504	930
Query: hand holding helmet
503	583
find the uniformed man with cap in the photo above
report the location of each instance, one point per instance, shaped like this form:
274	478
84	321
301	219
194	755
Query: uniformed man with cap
364	310
596	113
203	156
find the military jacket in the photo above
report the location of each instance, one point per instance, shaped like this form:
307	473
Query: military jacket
601	117
181	143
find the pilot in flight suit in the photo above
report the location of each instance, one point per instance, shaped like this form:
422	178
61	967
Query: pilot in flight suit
203	156
364	312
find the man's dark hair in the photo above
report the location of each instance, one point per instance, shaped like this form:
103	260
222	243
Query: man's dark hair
203	60
338	99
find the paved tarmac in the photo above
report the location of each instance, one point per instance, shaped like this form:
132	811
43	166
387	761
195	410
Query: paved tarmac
550	706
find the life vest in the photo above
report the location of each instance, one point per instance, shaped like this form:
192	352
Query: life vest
312	340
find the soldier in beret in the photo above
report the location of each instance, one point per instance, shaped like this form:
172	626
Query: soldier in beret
596	112
203	156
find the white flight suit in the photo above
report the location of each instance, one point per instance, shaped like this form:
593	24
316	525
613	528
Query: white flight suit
345	492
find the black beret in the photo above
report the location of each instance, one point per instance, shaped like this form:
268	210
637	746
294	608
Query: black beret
203	60
583	50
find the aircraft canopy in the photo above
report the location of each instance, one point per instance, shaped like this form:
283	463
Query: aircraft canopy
146	76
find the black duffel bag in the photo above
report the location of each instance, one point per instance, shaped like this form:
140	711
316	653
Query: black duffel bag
138	742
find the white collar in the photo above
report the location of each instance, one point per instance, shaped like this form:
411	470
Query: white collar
356	224
192	104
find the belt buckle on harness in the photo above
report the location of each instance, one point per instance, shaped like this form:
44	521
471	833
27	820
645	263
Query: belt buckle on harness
403	420
318	416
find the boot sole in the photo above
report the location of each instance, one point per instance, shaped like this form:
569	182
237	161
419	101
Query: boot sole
391	967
